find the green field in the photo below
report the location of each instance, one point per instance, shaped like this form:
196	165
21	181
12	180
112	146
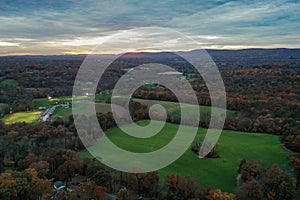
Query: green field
9	82
28	117
221	172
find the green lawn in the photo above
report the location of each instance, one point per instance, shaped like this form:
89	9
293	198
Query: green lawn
218	172
9	82
28	117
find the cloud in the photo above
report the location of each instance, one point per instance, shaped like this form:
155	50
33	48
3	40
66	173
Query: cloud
8	44
60	26
245	24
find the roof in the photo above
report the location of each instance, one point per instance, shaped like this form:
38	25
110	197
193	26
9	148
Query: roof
59	185
111	196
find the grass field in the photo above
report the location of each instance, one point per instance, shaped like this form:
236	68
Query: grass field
218	172
9	82
28	117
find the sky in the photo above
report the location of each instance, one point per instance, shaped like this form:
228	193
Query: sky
40	27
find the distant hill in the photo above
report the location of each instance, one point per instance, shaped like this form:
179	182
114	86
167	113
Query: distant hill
244	55
255	54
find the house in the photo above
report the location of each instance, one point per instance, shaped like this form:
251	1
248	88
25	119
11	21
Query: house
65	105
42	108
110	196
59	185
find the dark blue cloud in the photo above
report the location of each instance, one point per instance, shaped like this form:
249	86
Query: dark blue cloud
20	7
233	23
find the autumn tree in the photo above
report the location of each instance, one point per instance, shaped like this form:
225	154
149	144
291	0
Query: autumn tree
99	193
180	188
279	185
250	170
102	177
251	190
123	194
40	186
86	190
295	163
146	183
15	185
68	169
219	195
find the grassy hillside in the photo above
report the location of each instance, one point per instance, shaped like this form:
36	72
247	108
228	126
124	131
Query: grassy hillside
218	172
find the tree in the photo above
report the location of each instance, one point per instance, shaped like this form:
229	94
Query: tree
279	185
251	190
296	144
295	162
99	193
219	195
123	194
86	190
40	186
146	183
43	168
30	158
150	183
68	169
15	185
244	124
58	194
102	177
69	155
180	188
250	170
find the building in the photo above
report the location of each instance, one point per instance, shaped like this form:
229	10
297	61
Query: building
42	108
59	185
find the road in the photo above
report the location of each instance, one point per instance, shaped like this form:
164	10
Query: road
46	116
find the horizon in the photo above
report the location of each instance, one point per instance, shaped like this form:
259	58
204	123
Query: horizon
141	52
